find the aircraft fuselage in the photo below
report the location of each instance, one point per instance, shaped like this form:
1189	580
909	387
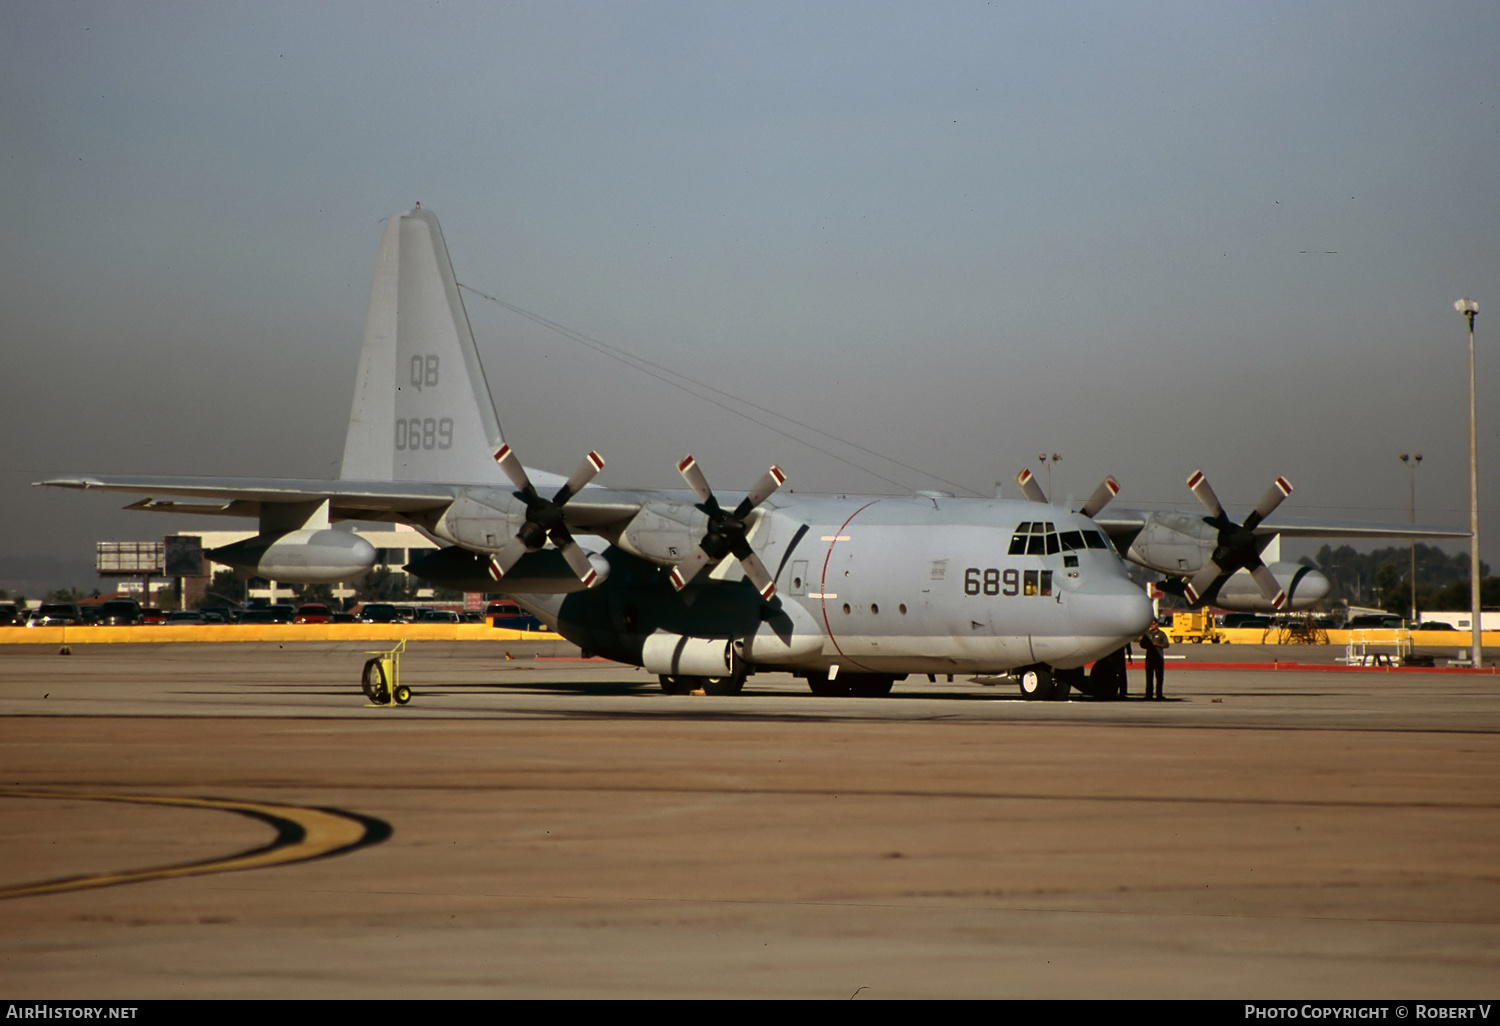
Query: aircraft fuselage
887	585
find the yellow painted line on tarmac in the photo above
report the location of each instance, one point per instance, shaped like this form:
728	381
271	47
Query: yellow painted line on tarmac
266	632
302	833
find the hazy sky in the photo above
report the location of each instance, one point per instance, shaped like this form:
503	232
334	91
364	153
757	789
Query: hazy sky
1148	237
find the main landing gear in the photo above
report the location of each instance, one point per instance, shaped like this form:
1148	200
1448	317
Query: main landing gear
686	684
856	685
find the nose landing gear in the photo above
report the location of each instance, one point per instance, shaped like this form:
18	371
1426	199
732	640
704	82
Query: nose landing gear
1043	684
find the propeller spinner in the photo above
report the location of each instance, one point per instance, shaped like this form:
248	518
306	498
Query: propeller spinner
726	530
1236	548
544	518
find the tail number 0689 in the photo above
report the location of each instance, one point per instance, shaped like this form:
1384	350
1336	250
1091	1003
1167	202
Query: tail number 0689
424	433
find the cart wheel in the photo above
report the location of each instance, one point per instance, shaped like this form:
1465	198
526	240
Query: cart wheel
403	694
374	683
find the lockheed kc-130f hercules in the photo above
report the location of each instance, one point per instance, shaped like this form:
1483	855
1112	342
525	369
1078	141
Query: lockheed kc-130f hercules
851	593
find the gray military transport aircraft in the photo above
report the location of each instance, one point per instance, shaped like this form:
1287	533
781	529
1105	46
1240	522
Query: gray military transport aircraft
851	593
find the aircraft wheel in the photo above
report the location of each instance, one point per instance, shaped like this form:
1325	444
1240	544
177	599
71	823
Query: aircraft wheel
1036	683
821	685
721	685
674	685
869	685
1063	682
374	683
403	694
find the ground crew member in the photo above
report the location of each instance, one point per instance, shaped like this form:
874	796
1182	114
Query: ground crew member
1155	642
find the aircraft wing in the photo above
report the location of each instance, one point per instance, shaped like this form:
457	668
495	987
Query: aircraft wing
348	500
1309	527
1125	521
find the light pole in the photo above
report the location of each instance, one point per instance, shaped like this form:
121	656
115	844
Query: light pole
1412	460
1470	309
1043	459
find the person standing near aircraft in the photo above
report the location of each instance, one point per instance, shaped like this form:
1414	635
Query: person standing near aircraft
1154	642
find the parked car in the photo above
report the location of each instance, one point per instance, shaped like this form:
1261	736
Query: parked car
57	614
1232	620
382	612
118	613
437	616
11	615
1375	621
185	617
313	612
512	617
150	614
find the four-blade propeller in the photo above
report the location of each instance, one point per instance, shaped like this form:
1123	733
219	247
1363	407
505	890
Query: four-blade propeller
1107	490
726	530
1236	547
544	517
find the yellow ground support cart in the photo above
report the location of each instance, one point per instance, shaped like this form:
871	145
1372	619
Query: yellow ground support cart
1195	626
382	677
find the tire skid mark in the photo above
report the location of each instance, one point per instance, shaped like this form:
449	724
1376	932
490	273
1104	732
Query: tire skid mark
303	833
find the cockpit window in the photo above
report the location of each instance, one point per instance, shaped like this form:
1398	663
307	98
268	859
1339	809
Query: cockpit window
1095	540
1040	538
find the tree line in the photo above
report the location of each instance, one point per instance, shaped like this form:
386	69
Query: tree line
1382	578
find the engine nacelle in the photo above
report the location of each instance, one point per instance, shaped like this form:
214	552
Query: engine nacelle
309	556
1173	543
1304	587
664	533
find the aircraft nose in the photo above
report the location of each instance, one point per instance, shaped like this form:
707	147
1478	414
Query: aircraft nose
1119	610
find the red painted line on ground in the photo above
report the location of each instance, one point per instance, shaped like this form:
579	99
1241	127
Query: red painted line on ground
1488	671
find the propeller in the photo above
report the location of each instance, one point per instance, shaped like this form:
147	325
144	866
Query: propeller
1106	491
1236	548
544	517
726	530
1029	488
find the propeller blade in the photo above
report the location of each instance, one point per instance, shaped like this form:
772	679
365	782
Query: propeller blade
1029	487
763	490
688	468
502	561
759	576
1202	582
1268	585
579	561
1106	491
684	572
1205	494
510	464
1279	490
591	465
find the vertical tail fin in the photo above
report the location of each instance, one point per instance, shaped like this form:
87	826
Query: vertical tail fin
422	409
